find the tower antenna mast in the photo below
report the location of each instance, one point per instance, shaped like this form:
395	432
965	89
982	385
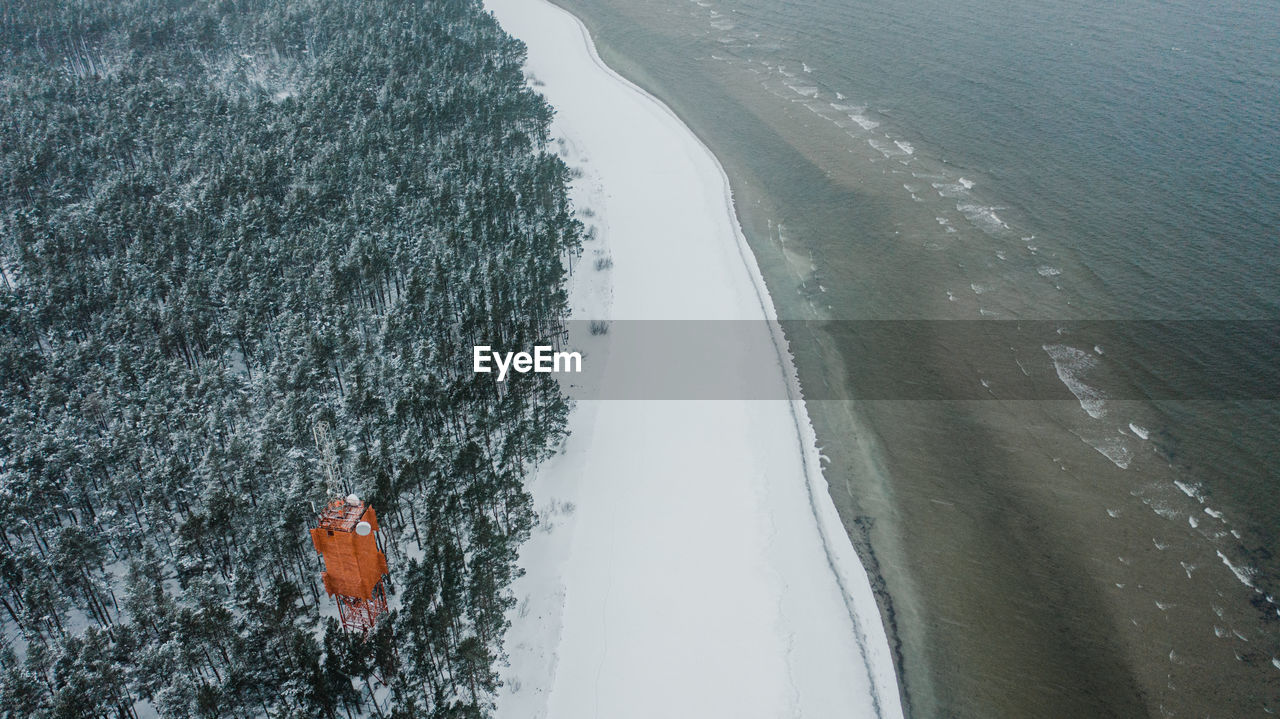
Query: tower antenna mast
324	444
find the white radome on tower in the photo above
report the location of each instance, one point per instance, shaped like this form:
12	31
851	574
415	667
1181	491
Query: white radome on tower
353	499
363	528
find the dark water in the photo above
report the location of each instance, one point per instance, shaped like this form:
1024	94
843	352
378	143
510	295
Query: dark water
1111	556
1147	134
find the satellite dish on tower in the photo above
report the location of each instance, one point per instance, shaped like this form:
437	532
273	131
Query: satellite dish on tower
363	528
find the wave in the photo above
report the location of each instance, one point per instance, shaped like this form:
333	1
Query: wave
1113	447
863	121
952	190
1244	574
1187	489
896	149
803	90
1070	363
982	216
1115	450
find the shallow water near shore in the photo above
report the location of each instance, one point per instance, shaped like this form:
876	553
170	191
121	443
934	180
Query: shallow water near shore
1087	557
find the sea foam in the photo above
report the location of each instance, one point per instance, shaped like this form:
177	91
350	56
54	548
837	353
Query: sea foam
1189	490
863	121
984	217
1113	447
1244	574
1070	363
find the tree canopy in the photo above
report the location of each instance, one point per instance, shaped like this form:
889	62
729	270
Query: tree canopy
223	225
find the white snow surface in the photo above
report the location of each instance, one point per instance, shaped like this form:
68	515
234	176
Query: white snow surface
689	561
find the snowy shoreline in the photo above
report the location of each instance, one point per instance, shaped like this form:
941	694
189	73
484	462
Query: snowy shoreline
690	561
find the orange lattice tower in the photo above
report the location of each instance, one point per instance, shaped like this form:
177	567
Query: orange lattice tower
354	566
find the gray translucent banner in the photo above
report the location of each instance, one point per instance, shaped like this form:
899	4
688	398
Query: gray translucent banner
923	359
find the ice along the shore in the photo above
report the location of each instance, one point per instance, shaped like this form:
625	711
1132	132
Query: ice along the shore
690	561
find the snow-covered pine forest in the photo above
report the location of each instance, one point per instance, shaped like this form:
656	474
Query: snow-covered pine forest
246	247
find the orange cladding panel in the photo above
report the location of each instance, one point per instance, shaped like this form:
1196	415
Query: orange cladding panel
353	564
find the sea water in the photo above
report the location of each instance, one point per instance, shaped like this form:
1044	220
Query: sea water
1113	553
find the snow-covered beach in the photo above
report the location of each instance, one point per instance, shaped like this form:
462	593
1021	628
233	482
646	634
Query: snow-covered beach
689	560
